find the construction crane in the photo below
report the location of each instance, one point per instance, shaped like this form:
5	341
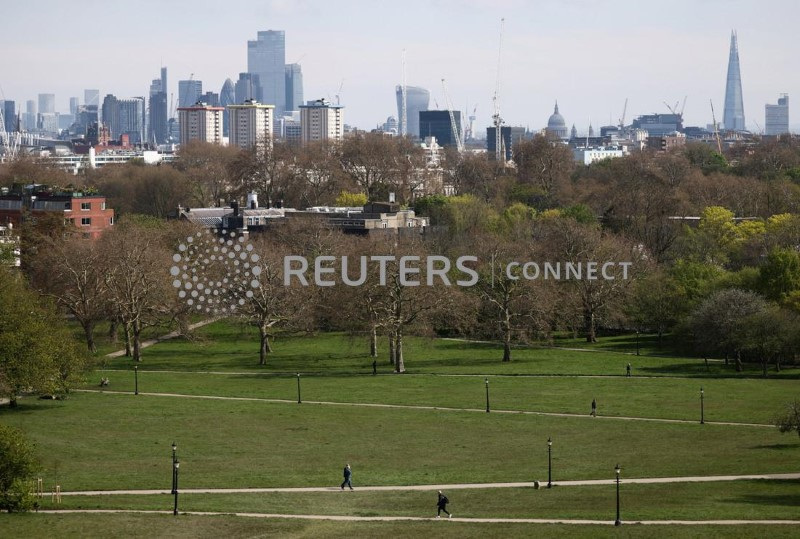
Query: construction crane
339	92
622	118
404	105
453	125
716	130
684	105
497	120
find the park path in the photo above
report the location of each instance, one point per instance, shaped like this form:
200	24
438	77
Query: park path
168	336
425	519
421	407
454	486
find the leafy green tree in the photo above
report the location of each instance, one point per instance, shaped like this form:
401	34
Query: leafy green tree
779	275
349	199
17	466
658	303
789	420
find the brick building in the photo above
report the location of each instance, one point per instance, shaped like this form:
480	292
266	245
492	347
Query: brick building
87	212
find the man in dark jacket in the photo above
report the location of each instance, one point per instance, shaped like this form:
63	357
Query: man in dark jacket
441	505
348	473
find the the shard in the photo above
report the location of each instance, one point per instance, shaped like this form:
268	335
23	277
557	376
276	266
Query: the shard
733	118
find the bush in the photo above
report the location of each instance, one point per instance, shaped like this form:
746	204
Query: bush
17	466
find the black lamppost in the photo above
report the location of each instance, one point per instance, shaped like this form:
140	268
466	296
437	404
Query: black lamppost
549	463
487	395
618	521
702	407
298	388
136	379
175	467
637	342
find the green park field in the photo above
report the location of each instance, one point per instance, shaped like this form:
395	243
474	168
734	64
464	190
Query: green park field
239	426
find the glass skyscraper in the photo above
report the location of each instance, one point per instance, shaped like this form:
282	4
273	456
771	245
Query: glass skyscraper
294	87
266	57
417	100
733	118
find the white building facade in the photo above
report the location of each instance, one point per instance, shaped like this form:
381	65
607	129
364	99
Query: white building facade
200	122
251	124
320	120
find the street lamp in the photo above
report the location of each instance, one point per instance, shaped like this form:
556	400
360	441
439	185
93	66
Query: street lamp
298	388
487	395
637	342
175	468
549	463
618	521
136	379
702	410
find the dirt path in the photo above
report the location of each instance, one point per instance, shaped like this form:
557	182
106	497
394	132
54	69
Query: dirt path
168	336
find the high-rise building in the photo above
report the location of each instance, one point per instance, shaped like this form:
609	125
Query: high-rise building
91	98
266	57
320	120
505	141
417	100
436	123
164	87
227	96
200	122
47	103
189	92
131	119
733	117
776	121
294	87
157	111
74	103
247	88
109	115
250	125
212	98
29	118
10	116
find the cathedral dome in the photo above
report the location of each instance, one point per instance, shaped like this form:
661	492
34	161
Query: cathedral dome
556	126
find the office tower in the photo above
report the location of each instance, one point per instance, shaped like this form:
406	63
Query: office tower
189	92
733	117
73	106
131	119
436	123
47	122
491	141
29	118
47	103
158	121
320	120
164	87
109	115
200	122
266	57
209	98
294	87
247	88
91	98
250	125
776	121
227	97
417	100
10	116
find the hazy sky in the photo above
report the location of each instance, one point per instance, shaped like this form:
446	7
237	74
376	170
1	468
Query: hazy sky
588	54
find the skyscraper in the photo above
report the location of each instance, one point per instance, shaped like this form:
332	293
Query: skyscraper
733	117
247	88
266	57
73	105
189	92
227	96
10	116
294	86
91	98
436	123
776	117
157	121
417	100
47	103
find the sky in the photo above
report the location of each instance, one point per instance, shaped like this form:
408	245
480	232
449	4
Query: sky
590	55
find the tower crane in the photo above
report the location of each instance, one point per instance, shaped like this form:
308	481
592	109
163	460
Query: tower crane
716	130
497	120
453	125
404	105
622	118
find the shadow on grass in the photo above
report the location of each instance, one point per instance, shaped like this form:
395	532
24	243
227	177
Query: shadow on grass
792	500
777	447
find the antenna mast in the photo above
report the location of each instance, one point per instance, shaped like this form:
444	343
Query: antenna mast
404	92
716	131
499	154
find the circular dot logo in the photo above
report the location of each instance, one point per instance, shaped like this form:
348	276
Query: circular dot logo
214	273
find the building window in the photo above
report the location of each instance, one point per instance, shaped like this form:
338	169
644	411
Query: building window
86	206
86	221
67	206
103	205
111	221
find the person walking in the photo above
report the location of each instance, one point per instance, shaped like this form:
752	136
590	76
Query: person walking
348	474
628	370
441	505
594	408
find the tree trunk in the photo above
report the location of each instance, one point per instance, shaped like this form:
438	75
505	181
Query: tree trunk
88	331
265	347
589	323
373	342
763	367
399	365
112	331
137	341
738	362
128	351
12	401
392	356
507	338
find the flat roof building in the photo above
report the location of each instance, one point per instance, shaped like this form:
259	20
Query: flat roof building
320	120
250	125
200	122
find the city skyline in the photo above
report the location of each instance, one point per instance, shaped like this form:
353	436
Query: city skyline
588	57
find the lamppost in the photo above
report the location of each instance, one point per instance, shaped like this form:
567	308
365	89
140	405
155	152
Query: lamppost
175	467
618	521
702	407
549	463
637	342
298	388
487	395
136	379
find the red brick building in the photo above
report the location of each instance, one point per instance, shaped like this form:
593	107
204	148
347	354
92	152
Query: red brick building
87	212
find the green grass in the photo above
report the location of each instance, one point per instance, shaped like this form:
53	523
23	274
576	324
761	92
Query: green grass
128	525
102	441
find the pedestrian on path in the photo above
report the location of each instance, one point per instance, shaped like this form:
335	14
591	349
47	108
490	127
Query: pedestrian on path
594	408
374	367
348	474
441	505
628	370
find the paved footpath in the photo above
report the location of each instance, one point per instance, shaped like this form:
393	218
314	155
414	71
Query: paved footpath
426	519
168	336
417	407
455	486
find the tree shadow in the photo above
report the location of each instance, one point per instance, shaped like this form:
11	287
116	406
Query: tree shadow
777	447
